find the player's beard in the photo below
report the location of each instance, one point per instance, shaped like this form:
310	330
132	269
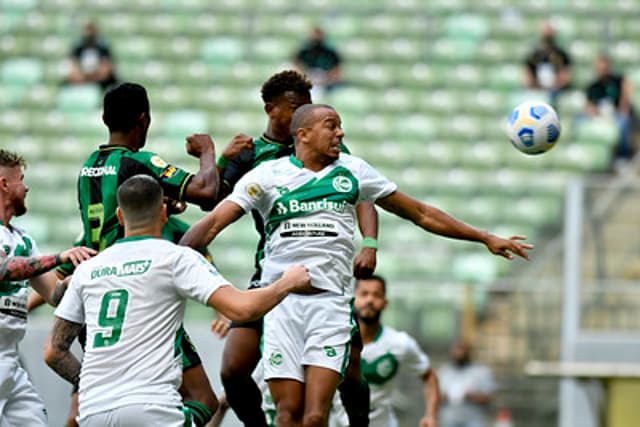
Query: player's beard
370	319
20	209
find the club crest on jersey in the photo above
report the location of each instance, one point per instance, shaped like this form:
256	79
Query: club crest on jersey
342	184
158	162
254	191
168	172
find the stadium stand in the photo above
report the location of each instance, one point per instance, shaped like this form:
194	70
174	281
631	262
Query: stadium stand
429	86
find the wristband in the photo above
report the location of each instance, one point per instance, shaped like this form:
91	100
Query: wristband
370	242
222	162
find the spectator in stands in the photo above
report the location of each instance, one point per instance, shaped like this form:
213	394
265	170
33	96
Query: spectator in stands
91	60
319	61
610	95
467	390
548	67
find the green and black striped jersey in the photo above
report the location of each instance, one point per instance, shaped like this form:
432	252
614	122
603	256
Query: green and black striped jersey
100	176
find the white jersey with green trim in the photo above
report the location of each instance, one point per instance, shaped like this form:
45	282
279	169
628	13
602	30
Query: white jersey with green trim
14	242
132	298
390	352
310	216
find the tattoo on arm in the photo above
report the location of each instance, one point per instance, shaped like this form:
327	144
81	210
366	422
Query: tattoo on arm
65	363
58	292
23	268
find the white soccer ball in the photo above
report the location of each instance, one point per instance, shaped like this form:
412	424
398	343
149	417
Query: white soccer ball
533	127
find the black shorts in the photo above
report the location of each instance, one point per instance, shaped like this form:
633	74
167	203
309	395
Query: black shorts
188	352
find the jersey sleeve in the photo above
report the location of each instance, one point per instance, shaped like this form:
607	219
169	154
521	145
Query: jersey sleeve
71	306
237	168
249	192
373	185
173	179
194	277
416	361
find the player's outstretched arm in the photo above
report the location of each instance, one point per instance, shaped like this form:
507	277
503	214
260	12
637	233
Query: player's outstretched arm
436	221
244	306
23	268
364	264
200	234
203	187
431	392
56	350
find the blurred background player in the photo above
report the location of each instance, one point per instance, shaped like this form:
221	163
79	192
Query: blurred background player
467	390
548	66
22	265
388	352
132	298
126	114
319	60
610	94
308	202
91	59
282	94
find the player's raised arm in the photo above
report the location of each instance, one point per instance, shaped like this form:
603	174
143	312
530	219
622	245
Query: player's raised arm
206	229
245	306
23	268
436	221
202	189
364	264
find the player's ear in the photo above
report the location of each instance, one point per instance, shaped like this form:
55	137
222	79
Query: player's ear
269	107
163	213
301	134
386	302
120	216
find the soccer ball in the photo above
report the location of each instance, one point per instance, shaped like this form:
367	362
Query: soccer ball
533	127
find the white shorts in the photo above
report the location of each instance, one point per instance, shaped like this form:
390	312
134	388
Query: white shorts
147	415
307	330
20	405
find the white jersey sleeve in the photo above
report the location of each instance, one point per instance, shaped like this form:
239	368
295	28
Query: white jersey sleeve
71	307
416	361
195	277
373	185
249	191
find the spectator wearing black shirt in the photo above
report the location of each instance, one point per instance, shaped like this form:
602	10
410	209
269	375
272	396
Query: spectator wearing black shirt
319	61
548	67
610	94
91	60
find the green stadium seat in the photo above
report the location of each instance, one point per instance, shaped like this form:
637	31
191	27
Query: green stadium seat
78	98
17	5
475	268
454	50
85	124
10	95
571	103
181	124
468	26
352	99
37	225
21	71
438	322
222	51
598	131
585	157
272	49
14	121
40	97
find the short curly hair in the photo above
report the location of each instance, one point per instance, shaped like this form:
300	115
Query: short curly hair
285	81
10	159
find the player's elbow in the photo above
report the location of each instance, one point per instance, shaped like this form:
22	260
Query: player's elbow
51	355
203	191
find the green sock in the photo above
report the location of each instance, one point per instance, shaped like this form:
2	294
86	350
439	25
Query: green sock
201	414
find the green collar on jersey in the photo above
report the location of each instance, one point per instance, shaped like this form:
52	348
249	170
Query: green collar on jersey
293	159
378	334
107	147
268	140
136	238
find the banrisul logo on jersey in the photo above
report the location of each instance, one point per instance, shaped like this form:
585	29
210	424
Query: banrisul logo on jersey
131	268
330	193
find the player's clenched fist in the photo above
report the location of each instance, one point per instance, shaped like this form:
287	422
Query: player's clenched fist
239	143
77	255
199	144
297	279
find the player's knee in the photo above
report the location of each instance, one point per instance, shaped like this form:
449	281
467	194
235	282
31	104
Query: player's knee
314	419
